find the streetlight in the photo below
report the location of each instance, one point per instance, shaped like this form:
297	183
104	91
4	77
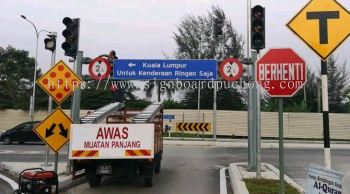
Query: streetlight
37	33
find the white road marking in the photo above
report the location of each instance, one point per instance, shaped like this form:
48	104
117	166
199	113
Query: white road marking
11	182
223	186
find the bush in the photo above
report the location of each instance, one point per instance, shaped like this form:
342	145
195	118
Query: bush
171	104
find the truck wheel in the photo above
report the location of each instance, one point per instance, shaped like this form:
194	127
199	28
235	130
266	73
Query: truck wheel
93	178
158	165
149	176
94	181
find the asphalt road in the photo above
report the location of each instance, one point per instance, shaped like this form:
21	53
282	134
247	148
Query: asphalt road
5	188
192	169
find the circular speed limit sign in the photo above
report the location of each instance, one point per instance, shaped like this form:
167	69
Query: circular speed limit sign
99	68
231	69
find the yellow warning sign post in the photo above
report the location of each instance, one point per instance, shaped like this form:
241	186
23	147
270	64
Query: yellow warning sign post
59	82
323	25
55	130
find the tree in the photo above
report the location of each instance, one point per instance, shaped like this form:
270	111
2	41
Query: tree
16	80
297	103
161	88
338	90
338	81
95	95
195	40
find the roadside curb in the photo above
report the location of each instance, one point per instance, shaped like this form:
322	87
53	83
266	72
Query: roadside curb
239	186
237	183
223	184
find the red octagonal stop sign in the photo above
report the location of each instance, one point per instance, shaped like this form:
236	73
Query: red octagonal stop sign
281	72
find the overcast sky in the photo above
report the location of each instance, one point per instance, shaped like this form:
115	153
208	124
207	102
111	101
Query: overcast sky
141	29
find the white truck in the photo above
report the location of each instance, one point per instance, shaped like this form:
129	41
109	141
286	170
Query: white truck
128	143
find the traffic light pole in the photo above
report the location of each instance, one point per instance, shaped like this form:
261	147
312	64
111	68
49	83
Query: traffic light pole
250	75
257	121
325	112
75	110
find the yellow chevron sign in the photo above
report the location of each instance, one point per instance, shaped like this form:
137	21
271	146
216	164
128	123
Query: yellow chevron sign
203	127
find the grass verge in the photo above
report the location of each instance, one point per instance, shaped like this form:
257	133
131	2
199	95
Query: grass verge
267	186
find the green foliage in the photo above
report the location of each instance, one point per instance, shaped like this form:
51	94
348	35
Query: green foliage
297	103
171	104
161	88
338	83
194	39
95	95
338	89
16	80
138	104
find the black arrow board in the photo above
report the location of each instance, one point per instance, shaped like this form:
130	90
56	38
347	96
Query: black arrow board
50	132
63	131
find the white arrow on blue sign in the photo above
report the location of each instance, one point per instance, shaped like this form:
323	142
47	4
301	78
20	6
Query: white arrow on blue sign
139	69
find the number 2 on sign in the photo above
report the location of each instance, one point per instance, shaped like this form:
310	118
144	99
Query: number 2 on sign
231	70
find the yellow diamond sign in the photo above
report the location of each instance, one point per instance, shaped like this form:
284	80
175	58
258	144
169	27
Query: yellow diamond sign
323	25
59	82
54	130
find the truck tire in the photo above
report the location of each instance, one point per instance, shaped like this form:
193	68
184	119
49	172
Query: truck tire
149	175
94	181
93	178
158	165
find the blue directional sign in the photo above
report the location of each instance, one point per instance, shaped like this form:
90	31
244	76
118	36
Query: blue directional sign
139	69
169	117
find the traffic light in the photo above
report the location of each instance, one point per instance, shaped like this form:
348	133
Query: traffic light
71	34
50	43
218	25
258	27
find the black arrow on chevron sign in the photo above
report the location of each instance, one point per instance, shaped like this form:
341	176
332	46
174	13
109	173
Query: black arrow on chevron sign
190	126
206	126
185	127
195	127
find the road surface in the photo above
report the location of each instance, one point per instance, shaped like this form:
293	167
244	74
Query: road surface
191	169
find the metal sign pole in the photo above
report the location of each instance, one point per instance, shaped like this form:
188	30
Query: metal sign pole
199	104
250	77
56	169
75	111
49	109
281	148
325	112
258	134
214	111
253	117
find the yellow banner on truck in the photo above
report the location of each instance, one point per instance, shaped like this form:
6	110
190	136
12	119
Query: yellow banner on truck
111	141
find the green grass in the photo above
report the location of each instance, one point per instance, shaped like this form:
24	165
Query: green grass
187	135
267	186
